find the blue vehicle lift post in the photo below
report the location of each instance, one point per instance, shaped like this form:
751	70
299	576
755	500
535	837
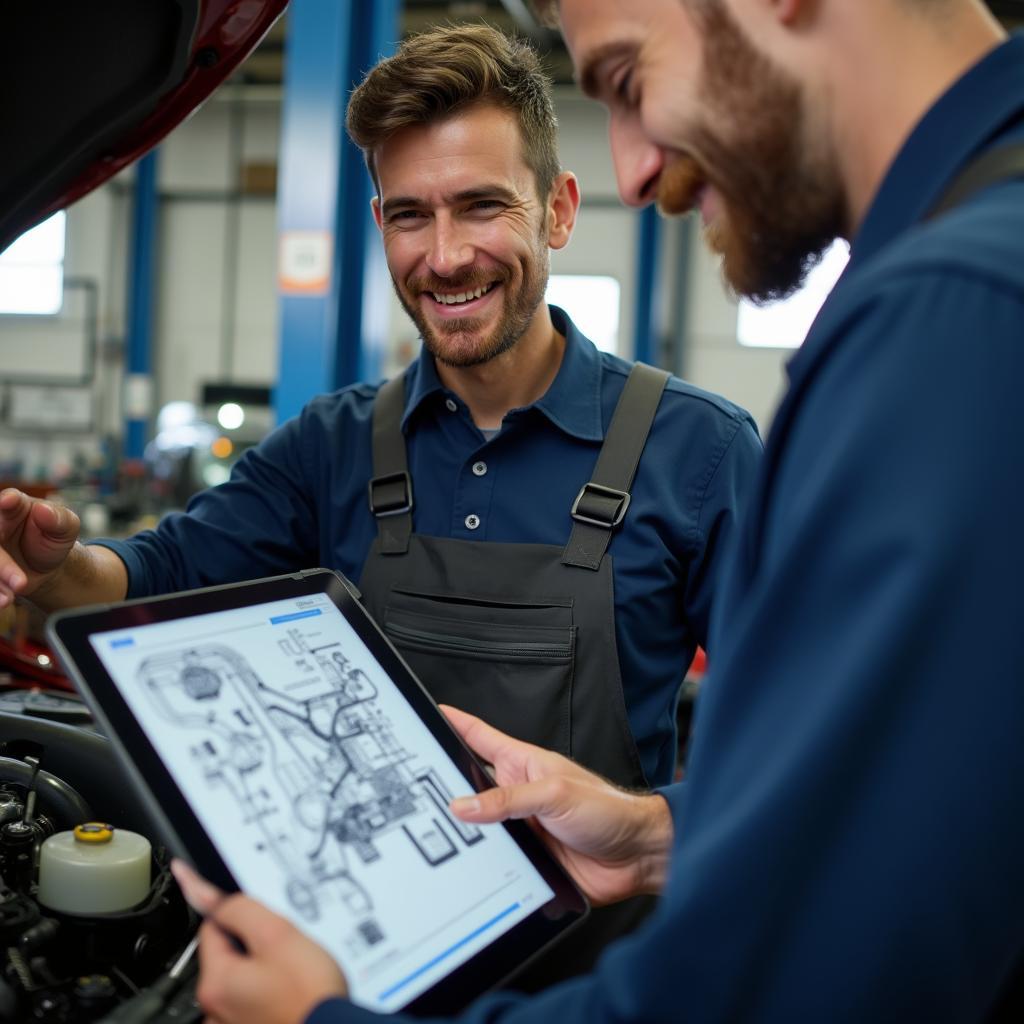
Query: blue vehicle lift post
648	237
333	281
138	394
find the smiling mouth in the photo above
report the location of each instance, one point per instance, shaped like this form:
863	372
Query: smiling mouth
460	298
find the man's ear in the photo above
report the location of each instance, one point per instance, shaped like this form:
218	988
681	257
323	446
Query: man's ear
375	206
563	205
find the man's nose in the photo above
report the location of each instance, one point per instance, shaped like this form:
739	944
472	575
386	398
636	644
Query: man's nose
450	249
638	162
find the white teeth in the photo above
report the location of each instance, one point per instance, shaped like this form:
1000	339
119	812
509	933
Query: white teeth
451	300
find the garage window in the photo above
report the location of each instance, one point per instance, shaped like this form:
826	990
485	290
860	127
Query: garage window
32	270
592	301
785	324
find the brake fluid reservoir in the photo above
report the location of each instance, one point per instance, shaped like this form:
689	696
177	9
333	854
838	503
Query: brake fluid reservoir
93	869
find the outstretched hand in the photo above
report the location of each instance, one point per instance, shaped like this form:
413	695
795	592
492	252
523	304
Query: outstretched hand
614	843
35	539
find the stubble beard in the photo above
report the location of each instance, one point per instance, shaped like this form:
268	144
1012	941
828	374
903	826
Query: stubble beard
460	342
782	199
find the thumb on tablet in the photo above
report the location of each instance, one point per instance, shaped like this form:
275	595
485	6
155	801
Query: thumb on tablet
541	799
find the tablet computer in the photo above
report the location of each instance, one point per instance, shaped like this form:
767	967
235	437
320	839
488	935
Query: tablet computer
284	748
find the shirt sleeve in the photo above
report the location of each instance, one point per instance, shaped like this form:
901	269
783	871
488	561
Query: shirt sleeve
853	835
731	480
260	522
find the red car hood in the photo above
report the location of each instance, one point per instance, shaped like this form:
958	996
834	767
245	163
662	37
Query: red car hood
86	88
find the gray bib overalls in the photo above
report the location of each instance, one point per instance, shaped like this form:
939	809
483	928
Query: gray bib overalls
522	635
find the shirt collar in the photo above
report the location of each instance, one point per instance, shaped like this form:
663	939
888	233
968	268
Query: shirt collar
983	102
572	402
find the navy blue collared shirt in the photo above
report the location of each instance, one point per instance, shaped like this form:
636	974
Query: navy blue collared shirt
299	500
850	838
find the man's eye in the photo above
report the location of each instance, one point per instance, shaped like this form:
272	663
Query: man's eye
623	88
486	205
405	218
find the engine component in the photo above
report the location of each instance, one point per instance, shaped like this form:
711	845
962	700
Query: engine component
93	869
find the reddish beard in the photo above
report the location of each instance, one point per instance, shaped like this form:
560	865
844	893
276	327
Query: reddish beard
679	189
781	199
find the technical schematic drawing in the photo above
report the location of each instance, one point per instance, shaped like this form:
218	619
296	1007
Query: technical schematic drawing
304	744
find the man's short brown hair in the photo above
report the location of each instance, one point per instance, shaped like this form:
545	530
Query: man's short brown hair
441	72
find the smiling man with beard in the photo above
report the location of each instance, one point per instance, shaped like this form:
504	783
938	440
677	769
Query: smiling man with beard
848	846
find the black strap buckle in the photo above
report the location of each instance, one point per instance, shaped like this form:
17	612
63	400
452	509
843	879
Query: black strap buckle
596	511
386	499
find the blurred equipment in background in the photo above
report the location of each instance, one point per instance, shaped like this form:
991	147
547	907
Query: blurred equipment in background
25	660
196	446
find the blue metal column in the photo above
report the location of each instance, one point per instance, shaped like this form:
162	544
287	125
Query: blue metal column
330	255
647	237
138	384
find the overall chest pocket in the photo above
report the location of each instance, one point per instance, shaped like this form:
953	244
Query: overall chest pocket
510	663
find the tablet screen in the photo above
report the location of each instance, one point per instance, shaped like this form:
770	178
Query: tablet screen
322	790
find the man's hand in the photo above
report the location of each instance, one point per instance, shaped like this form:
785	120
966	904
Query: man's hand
35	539
279	979
614	843
41	559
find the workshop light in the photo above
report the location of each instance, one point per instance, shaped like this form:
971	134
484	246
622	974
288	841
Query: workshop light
214	474
222	447
230	416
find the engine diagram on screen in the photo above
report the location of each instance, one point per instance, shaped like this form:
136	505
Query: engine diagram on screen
313	761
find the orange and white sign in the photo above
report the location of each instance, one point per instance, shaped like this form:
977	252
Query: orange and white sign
304	262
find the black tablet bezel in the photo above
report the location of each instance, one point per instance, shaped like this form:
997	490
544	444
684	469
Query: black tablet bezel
173	818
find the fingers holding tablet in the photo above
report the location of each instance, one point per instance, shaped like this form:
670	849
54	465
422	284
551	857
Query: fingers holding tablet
272	973
200	895
614	842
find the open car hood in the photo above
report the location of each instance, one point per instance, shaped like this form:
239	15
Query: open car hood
86	88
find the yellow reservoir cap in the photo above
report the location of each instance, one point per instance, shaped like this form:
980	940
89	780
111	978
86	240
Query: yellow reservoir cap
94	832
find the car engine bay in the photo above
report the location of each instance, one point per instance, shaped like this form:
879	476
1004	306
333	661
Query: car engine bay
77	944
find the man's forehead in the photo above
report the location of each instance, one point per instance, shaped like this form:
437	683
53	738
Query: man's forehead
461	152
598	30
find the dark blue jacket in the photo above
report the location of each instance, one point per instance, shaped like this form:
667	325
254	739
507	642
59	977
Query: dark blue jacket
850	844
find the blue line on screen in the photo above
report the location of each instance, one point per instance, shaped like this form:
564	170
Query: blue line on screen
125	641
387	993
292	616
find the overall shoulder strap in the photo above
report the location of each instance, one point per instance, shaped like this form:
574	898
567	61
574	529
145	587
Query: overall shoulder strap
1004	163
390	490
602	502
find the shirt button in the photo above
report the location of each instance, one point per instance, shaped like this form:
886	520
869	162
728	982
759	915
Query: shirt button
450	405
472	522
479	468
